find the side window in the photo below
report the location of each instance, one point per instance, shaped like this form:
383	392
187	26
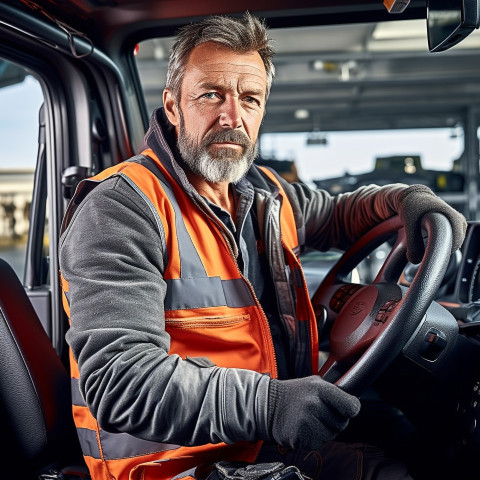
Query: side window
20	100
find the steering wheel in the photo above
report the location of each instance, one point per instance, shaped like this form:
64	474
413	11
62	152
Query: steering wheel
372	323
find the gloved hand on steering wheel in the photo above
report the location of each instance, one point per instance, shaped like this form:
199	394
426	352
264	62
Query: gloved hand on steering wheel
415	202
307	412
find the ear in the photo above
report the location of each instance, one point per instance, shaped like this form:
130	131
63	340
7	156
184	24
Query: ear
170	106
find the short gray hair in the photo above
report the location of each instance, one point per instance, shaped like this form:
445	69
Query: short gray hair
242	35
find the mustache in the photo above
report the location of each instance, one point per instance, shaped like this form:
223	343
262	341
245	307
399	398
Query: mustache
231	136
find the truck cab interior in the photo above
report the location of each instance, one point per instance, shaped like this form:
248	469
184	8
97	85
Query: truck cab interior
78	82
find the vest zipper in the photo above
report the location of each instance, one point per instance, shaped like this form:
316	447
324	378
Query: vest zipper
264	322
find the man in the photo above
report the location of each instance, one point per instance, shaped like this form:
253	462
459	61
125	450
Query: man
192	335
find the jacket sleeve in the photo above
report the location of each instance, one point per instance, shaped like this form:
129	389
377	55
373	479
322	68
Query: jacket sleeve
336	222
112	257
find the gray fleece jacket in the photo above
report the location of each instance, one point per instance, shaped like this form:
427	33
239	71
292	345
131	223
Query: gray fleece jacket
112	255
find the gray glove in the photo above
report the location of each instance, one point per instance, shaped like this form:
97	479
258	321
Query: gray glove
415	202
307	412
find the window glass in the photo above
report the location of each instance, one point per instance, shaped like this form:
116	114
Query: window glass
20	100
340	160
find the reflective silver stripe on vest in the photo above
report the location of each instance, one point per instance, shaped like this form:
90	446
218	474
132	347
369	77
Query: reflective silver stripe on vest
77	398
88	442
187	293
118	445
123	445
114	445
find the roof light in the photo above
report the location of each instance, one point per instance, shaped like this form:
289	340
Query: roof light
301	114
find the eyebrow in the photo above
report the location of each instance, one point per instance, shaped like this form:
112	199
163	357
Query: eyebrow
254	91
209	86
217	86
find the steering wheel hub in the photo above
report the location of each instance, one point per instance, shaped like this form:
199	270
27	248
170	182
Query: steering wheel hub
361	318
355	311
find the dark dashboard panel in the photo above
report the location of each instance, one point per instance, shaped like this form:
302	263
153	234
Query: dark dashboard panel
467	288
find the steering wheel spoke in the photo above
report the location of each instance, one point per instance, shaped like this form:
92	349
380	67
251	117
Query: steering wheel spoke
395	261
331	370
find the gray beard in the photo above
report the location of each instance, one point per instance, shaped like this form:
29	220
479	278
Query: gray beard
226	164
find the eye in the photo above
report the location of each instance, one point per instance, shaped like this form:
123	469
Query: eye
252	100
210	95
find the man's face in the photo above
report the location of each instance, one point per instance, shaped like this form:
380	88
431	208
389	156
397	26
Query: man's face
220	111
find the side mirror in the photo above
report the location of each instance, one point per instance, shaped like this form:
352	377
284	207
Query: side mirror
450	21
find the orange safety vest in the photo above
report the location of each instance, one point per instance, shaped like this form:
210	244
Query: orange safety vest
210	311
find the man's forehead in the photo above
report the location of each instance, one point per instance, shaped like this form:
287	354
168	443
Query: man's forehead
210	60
228	76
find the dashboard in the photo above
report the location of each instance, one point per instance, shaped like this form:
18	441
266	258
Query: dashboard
460	292
463	302
467	288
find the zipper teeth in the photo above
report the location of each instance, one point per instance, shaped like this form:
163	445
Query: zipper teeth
225	234
186	324
299	264
305	291
265	331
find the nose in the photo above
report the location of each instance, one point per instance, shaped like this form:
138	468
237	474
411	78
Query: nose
230	115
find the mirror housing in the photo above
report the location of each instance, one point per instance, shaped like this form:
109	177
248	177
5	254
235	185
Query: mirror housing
450	21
